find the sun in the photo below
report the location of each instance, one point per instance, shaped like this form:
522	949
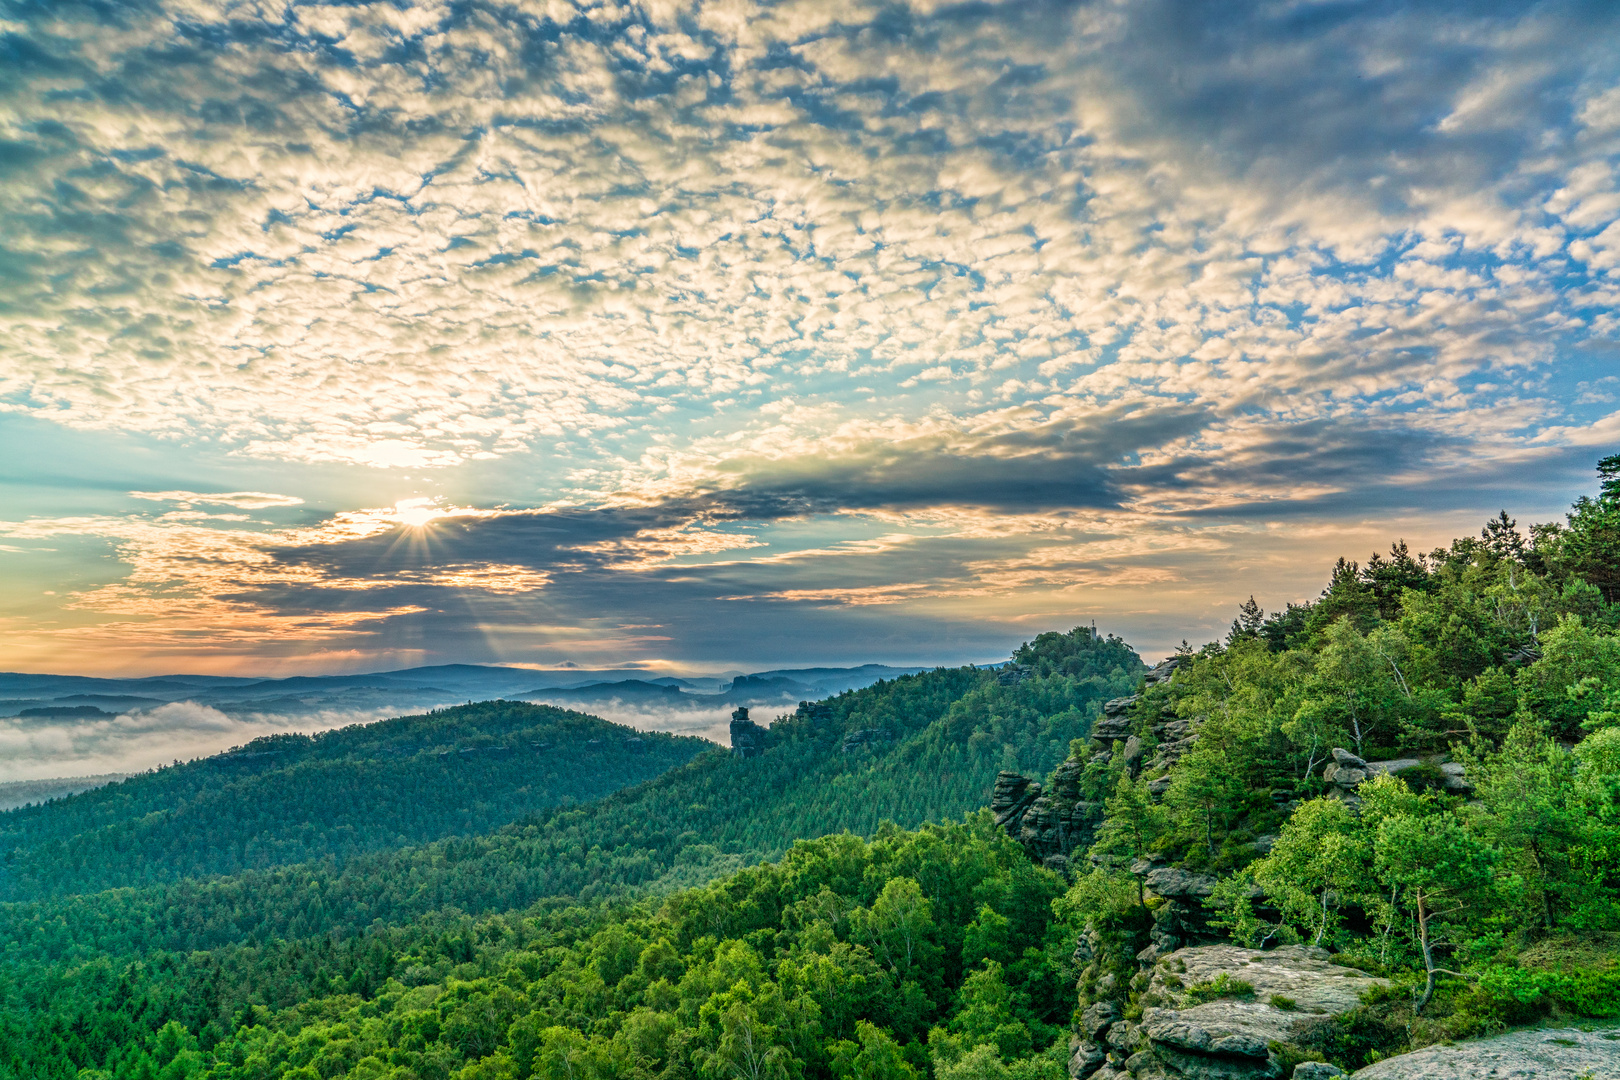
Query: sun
415	513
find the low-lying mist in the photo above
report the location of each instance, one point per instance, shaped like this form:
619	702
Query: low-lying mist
43	748
38	748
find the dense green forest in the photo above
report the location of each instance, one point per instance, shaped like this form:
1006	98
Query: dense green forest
294	798
675	930
949	731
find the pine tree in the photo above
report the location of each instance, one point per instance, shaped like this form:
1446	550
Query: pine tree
1502	537
1246	626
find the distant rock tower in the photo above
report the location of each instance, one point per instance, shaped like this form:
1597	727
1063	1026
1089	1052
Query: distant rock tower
747	737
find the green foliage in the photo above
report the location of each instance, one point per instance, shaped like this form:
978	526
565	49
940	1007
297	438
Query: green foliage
833	963
1222	986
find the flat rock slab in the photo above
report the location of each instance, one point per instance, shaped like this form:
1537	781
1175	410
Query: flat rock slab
1306	975
1543	1054
1225	1028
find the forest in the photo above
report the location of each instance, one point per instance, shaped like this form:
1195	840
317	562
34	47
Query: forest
849	909
295	798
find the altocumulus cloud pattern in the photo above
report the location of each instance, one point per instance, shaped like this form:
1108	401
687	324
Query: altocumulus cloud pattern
913	321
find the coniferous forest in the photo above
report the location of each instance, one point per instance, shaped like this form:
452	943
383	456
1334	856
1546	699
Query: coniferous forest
1411	783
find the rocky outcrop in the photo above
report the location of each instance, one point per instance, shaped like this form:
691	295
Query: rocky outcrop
865	737
1289	995
1013	674
1346	772
1561	1053
1051	825
1172	736
1055	824
747	737
1182	920
1115	722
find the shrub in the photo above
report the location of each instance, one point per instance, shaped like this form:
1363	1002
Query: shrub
1222	986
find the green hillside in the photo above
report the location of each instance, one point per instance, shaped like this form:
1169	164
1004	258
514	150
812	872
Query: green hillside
948	732
295	798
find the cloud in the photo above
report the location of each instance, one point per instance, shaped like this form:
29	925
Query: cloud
296	247
242	500
705	313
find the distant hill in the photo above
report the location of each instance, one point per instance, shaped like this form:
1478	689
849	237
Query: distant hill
423	688
290	798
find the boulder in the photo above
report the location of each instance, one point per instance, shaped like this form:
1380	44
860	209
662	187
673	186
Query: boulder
1518	1055
1304	974
1343	775
1163	672
1177	884
1122	1039
1224	1028
1341	756
1085	1058
1317	1070
1399	765
1168	1063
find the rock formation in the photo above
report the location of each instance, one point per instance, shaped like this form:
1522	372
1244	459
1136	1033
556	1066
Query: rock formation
1346	772
1055	824
1288	995
865	737
1013	674
747	737
1182	919
1566	1052
1051	825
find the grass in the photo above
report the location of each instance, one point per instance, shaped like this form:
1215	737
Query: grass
1222	986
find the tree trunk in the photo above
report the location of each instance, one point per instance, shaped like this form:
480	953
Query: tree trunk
1428	952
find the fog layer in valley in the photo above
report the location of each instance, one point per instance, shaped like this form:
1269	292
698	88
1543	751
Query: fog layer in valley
35	748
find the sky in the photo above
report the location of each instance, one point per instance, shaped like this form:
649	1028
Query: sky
734	334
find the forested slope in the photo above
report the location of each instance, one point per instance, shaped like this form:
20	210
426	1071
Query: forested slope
848	957
293	798
947	733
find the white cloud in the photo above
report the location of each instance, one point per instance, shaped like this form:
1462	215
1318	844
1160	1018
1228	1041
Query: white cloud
242	500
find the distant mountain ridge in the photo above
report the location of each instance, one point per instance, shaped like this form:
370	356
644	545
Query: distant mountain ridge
24	695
